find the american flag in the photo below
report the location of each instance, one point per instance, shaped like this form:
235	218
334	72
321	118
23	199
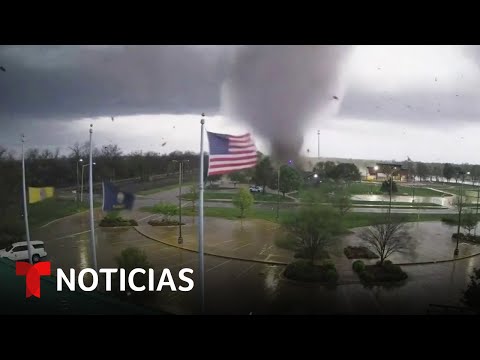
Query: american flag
230	153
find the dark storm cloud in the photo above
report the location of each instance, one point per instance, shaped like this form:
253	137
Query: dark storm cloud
411	107
65	82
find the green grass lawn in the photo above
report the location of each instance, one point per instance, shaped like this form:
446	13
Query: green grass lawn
457	188
210	195
185	187
234	213
351	219
365	188
48	210
419	191
409	204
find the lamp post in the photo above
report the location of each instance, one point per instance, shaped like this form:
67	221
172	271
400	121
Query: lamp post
318	144
391	190
81	191
478	196
278	191
460	207
78	182
180	181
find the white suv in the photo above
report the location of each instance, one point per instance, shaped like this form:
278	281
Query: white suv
19	251
256	188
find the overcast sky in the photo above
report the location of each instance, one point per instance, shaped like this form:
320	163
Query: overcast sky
393	101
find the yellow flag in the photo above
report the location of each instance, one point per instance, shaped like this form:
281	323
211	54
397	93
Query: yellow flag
39	194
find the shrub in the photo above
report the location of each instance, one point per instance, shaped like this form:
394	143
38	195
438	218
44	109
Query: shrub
304	270
385	273
358	266
331	275
163	222
113	219
166	209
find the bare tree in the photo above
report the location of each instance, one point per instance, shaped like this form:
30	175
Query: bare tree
386	239
469	221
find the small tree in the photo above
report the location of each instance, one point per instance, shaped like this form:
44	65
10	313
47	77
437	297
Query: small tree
168	210
387	185
386	239
192	196
469	221
313	226
448	171
243	200
471	296
290	179
341	200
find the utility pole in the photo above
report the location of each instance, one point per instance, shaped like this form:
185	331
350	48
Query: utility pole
318	144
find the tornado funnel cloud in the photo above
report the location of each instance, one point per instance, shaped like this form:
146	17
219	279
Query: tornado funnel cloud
278	90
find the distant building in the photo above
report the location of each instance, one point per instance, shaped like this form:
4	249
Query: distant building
381	172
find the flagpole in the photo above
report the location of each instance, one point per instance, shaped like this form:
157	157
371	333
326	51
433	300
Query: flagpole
25	210
200	222
92	222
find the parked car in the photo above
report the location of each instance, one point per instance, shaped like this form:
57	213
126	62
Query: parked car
19	251
255	188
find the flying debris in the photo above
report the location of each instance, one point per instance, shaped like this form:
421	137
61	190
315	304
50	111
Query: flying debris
408	158
308	150
378	68
435	79
113	118
165	143
3	69
456	95
336	98
174	127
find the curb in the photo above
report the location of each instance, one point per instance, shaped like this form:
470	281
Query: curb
267	262
439	261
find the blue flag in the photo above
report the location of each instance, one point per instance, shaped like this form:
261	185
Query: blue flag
114	199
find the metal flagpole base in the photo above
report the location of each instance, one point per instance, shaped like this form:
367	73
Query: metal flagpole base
180	240
455	253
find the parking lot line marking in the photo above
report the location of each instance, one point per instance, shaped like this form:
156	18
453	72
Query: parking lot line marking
242	246
146	217
72	235
245	271
216	266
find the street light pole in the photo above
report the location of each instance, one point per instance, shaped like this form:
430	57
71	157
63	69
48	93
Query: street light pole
78	182
460	207
278	191
391	190
180	182
81	191
318	144
476	214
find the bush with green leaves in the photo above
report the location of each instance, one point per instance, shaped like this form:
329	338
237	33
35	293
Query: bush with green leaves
358	266
387	272
113	219
166	209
